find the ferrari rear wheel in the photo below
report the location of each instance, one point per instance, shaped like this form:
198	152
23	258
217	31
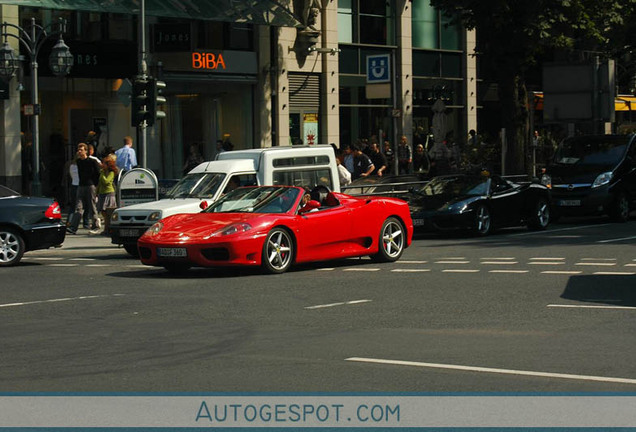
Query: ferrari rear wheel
278	251
11	247
391	242
540	217
483	221
177	268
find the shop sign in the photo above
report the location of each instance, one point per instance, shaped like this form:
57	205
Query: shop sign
209	61
103	59
310	128
136	186
378	68
171	37
222	62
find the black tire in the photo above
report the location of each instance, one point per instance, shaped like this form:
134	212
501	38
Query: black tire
177	268
483	220
278	251
132	250
12	247
619	210
391	241
540	216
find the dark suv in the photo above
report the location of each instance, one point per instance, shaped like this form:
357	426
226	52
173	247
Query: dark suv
592	175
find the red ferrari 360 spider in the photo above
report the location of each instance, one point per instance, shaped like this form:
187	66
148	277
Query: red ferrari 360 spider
275	226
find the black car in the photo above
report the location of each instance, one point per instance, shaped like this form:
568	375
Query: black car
594	175
479	203
394	186
27	223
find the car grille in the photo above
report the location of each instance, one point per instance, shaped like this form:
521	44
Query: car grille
216	254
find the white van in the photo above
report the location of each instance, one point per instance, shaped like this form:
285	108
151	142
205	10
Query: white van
306	166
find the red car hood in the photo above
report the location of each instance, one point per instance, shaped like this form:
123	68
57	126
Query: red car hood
183	227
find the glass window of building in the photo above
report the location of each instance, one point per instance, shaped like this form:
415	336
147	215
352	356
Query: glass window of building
432	29
366	22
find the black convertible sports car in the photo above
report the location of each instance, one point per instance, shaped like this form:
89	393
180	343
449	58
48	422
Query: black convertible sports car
27	223
478	203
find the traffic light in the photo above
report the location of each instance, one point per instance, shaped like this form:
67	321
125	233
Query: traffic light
140	101
155	91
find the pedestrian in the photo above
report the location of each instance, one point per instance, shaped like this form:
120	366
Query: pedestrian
228	146
71	178
126	156
390	157
91	140
219	147
420	161
343	173
194	158
348	158
88	170
362	165
107	202
378	160
405	156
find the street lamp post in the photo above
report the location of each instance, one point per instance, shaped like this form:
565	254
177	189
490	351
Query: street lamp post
60	62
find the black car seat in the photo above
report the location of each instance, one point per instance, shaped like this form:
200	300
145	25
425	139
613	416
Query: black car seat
319	193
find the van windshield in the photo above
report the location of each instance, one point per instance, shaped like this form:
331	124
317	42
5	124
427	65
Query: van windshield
199	185
603	151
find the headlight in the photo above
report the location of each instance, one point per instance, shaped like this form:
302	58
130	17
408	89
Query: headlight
156	215
154	229
114	217
231	229
602	179
546	180
459	207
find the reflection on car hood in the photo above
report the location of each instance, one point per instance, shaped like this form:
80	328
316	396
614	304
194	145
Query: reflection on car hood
200	225
570	174
188	205
437	202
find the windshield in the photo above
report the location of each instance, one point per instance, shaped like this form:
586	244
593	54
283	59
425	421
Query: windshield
456	186
268	199
5	192
607	150
199	185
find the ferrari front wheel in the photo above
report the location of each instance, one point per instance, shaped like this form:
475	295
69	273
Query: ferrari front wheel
278	251
391	242
483	220
540	218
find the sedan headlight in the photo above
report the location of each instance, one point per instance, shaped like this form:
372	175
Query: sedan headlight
546	180
232	229
602	179
154	216
153	230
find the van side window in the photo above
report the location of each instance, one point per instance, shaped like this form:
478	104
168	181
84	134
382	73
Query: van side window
239	180
308	178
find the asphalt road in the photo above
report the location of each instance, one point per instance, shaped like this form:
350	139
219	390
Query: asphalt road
517	311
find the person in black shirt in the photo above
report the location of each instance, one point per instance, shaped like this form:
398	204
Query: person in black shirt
362	165
378	159
88	171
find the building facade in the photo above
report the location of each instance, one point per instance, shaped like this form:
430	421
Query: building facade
251	84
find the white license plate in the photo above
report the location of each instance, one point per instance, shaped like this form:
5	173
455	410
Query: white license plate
569	203
172	252
418	222
129	232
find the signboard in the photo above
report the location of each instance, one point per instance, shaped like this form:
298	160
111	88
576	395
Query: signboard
217	61
139	185
310	128
378	69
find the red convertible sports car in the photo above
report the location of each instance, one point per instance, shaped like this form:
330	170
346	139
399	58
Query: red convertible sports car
275	226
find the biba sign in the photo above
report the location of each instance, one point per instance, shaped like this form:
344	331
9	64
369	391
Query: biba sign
210	61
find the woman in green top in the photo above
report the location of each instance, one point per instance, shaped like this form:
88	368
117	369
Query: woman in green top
106	201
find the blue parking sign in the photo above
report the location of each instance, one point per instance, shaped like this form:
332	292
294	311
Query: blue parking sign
378	68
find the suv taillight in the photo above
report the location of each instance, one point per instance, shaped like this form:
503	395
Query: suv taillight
53	212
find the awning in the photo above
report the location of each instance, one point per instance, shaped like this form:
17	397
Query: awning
621	102
265	12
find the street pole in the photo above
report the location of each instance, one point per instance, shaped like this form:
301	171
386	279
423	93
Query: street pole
143	73
36	186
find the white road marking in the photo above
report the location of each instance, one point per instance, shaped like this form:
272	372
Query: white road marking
615	273
564	272
48	258
630	265
98	265
546	263
138	266
615	240
373	269
598	259
352	302
457	258
498	258
565	236
460	271
591	307
59	300
508	271
413	262
494	370
64	265
547	259
326	269
411	270
607	264
82	259
499	262
452	262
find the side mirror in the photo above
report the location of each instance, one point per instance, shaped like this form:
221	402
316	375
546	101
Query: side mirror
203	205
311	205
